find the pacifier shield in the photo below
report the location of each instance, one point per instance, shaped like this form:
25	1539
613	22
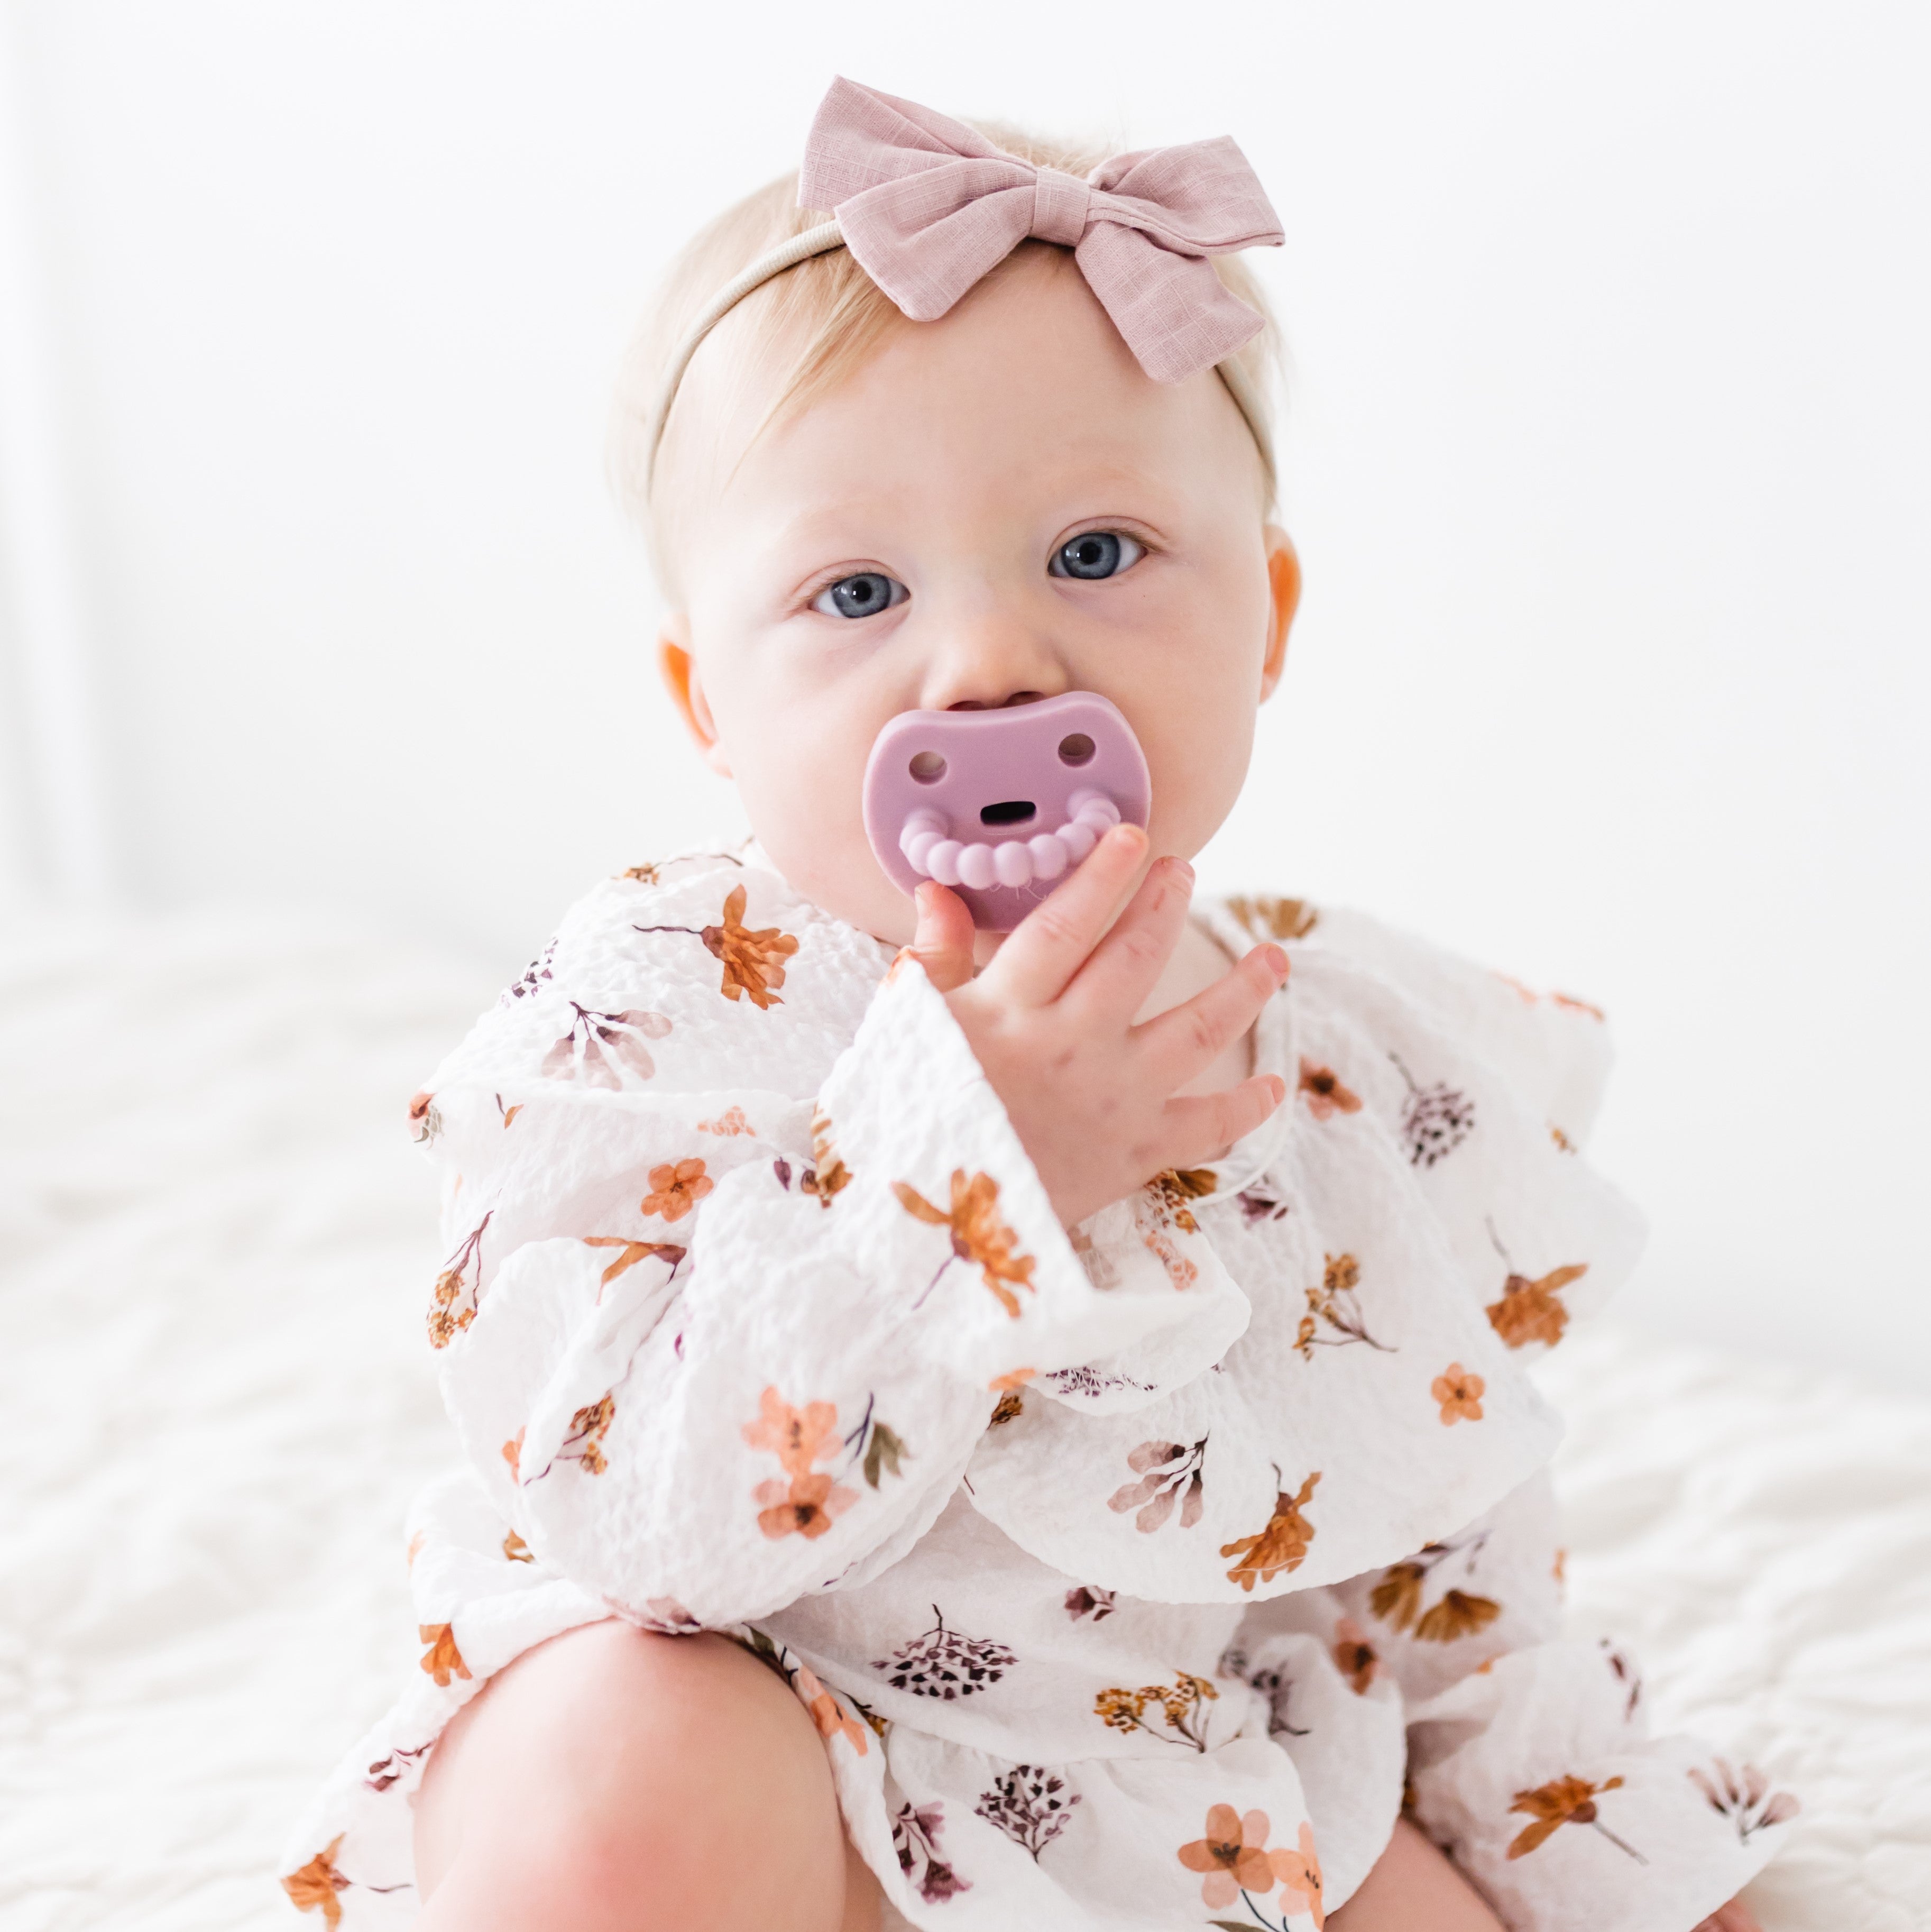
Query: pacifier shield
1001	804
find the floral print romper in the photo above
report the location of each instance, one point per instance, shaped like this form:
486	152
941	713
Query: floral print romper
1139	1576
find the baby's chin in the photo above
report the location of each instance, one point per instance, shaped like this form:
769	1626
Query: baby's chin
850	886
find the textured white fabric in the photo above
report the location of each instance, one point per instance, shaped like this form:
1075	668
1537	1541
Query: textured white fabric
757	1318
218	1412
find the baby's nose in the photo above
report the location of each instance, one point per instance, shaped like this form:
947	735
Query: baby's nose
986	664
979	704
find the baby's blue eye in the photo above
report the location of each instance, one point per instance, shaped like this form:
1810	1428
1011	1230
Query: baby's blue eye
1097	554
864	595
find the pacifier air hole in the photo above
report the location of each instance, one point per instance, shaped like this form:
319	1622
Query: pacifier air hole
1000	804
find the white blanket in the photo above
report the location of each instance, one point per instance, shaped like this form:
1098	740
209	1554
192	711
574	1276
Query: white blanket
215	1400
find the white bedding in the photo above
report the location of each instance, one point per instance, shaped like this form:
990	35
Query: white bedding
215	1401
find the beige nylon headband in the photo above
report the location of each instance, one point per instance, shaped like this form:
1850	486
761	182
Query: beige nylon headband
819	241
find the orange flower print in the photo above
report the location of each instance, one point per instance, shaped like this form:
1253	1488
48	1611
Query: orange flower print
1282	1545
1396	1598
675	1188
978	1236
441	1660
1180	1271
512	1455
1267	918
1354	1657
318	1882
1336	1304
750	960
1570	1003
515	1550
806	1503
1233	1854
828	1173
1459	1392
1170	1192
831	1718
1180	1707
1013	1379
424	1117
797	1437
1300	1870
633	1252
730	1121
415	1543
645	875
806	1506
1325	1094
588	1428
1564	1801
1529	1311
452	1307
1457	1615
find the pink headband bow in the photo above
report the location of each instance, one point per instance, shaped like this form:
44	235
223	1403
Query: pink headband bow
928	207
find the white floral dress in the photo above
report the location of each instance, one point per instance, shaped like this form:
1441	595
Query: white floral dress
1136	1577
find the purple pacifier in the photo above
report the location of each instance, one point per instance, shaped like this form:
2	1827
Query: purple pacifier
1001	804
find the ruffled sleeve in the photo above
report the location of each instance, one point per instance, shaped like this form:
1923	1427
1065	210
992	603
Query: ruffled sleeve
1408	1231
715	1346
1529	1758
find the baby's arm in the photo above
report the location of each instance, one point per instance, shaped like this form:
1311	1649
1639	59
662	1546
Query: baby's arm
701	1426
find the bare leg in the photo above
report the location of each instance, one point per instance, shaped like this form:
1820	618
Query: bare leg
612	1780
1414	1888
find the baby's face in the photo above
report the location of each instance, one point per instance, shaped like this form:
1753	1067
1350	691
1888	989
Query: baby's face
1000	506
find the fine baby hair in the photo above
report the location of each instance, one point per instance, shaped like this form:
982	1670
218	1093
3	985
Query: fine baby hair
922	209
805	324
1041	1425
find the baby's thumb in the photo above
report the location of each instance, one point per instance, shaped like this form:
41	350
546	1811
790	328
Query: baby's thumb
942	941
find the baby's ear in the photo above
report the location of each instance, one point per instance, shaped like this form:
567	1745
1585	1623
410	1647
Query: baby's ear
1284	598
679	671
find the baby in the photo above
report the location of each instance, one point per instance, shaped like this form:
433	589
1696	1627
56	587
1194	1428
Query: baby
1020	1433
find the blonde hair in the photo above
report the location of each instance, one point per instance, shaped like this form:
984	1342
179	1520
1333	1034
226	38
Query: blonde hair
816	323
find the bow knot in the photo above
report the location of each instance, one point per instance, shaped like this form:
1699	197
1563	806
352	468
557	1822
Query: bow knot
1060	202
927	207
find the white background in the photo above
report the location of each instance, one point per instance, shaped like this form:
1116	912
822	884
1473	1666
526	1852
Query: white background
1609	453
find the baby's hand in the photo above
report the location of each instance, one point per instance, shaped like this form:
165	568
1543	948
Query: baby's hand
1734	1917
1051	1020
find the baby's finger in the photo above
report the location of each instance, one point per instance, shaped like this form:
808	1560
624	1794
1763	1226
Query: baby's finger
1051	942
1126	965
1181	1042
1201	1128
942	941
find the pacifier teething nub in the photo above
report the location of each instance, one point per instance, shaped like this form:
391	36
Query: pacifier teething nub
1001	805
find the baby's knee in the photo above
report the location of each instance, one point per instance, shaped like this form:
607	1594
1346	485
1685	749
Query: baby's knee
615	1770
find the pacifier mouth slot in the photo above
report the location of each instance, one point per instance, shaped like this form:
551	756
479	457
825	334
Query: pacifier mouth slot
1010	811
928	768
1076	748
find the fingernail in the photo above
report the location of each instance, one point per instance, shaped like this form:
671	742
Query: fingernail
1279	1086
1128	834
1277	961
